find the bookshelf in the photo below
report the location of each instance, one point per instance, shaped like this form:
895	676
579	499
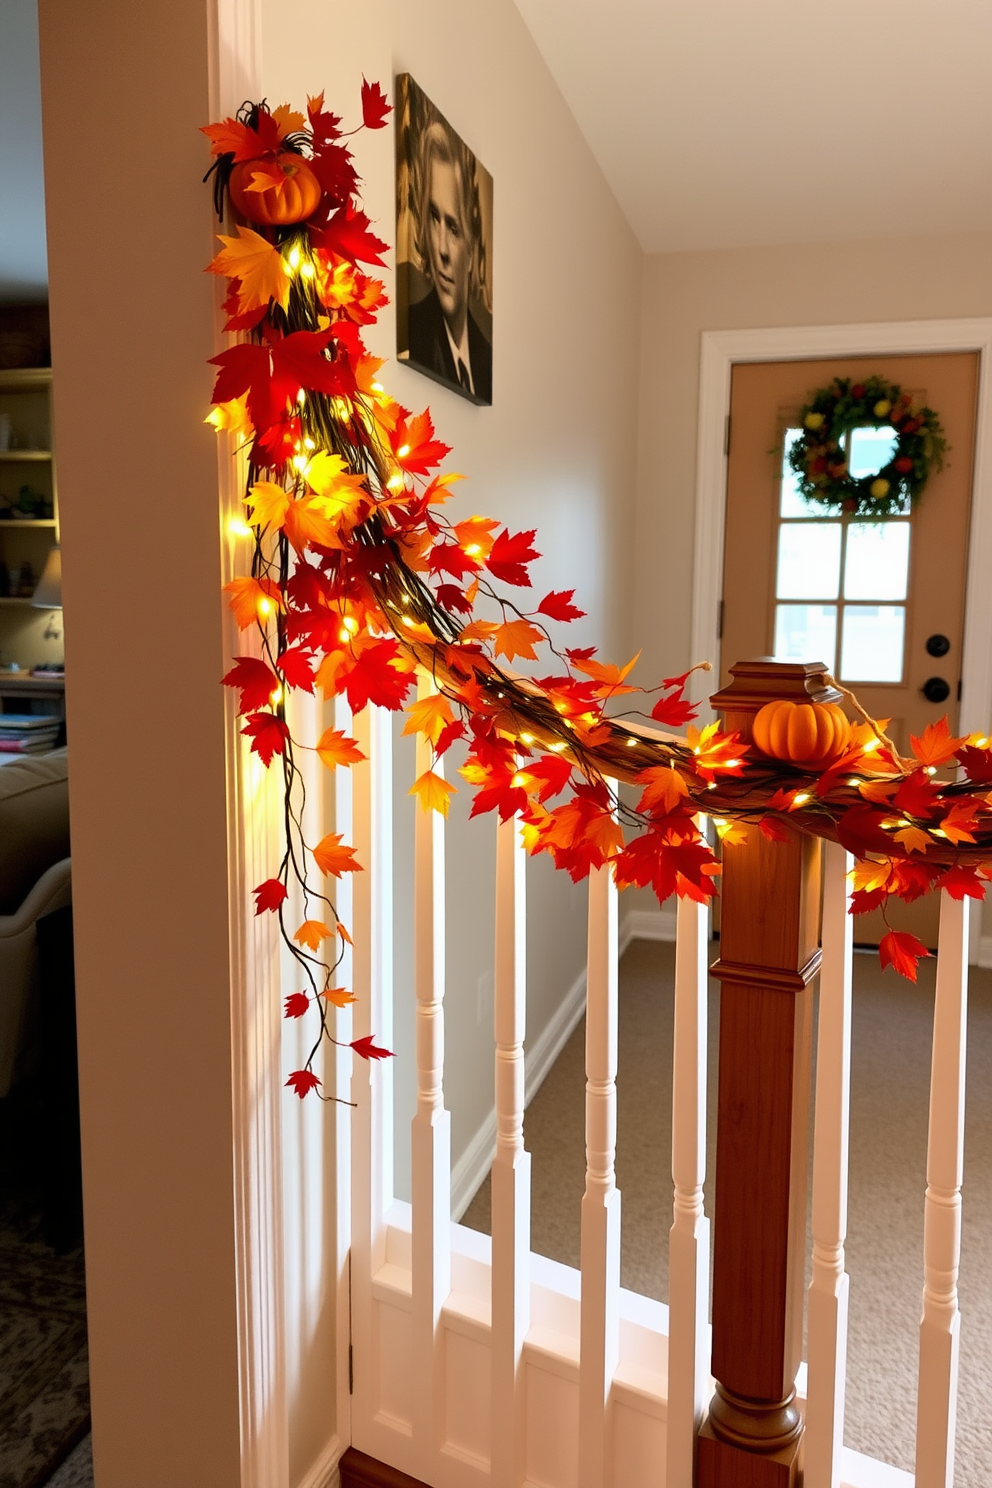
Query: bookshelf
29	637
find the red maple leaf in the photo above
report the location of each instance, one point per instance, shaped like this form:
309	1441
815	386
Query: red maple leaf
269	895
558	604
452	559
509	554
916	795
347	234
977	764
450	597
368	1049
935	746
962	881
374	679
268	735
553	774
773	829
333	167
414	445
296	1005
296	666
668	868
302	1082
674	710
451	731
374	106
860	832
901	951
863	901
911	878
323	123
272	376
256	681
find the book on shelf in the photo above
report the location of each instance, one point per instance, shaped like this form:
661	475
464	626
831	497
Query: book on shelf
28	744
22	723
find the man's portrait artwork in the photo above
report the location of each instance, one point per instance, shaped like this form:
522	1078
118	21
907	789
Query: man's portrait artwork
444	261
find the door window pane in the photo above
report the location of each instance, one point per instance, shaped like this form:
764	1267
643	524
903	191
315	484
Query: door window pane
877	562
870	450
806	633
808	561
792	503
872	643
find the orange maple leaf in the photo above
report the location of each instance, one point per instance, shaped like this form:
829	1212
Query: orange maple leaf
879	791
258	267
304	524
608	674
958	822
311	933
517	638
429	716
331	857
253	600
336	748
340	996
478	630
342	931
433	793
664	788
731	833
288	120
475	536
935	746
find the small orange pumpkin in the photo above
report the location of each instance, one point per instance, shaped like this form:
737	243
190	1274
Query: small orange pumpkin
804	733
293	195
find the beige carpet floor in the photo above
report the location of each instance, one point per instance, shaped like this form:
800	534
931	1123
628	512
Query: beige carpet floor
890	1082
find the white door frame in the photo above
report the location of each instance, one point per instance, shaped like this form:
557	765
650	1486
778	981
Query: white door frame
720	350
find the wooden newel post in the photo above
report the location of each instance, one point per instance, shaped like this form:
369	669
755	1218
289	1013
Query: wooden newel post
769	936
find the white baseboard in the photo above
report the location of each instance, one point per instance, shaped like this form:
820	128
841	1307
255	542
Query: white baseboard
324	1472
647	924
473	1165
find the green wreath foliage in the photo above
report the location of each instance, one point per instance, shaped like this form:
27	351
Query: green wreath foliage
819	460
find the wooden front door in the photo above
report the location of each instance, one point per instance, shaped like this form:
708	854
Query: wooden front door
881	604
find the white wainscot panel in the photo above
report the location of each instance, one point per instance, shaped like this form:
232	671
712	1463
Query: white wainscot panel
394	1370
552	1394
639	1442
468	1392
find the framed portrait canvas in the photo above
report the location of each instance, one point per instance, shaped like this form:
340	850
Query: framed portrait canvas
444	254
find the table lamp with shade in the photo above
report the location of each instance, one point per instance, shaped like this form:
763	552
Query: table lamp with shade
48	590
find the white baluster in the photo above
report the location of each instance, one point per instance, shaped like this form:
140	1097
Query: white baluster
600	1244
828	1291
431	1132
511	1169
689	1239
940	1323
371	928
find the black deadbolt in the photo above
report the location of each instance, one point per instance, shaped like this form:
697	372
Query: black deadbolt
938	645
936	690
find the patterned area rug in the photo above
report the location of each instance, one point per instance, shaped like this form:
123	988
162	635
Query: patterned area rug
44	1373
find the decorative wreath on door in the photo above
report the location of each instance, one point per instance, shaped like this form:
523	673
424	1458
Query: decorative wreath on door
819	457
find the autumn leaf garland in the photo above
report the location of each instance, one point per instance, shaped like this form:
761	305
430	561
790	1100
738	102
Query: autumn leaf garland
359	579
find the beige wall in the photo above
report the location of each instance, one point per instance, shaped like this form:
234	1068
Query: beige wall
124	90
686	293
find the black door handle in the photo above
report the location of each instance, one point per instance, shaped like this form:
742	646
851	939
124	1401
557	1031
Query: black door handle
938	645
936	690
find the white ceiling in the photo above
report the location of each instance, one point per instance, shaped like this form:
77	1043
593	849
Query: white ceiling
718	123
23	257
730	123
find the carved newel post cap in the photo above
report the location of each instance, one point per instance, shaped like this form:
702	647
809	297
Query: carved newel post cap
763	679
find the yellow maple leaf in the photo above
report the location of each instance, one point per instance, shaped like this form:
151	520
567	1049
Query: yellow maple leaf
258	267
517	638
433	793
268	504
231	417
913	840
340	996
339	494
476	536
429	716
867	875
730	833
311	933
